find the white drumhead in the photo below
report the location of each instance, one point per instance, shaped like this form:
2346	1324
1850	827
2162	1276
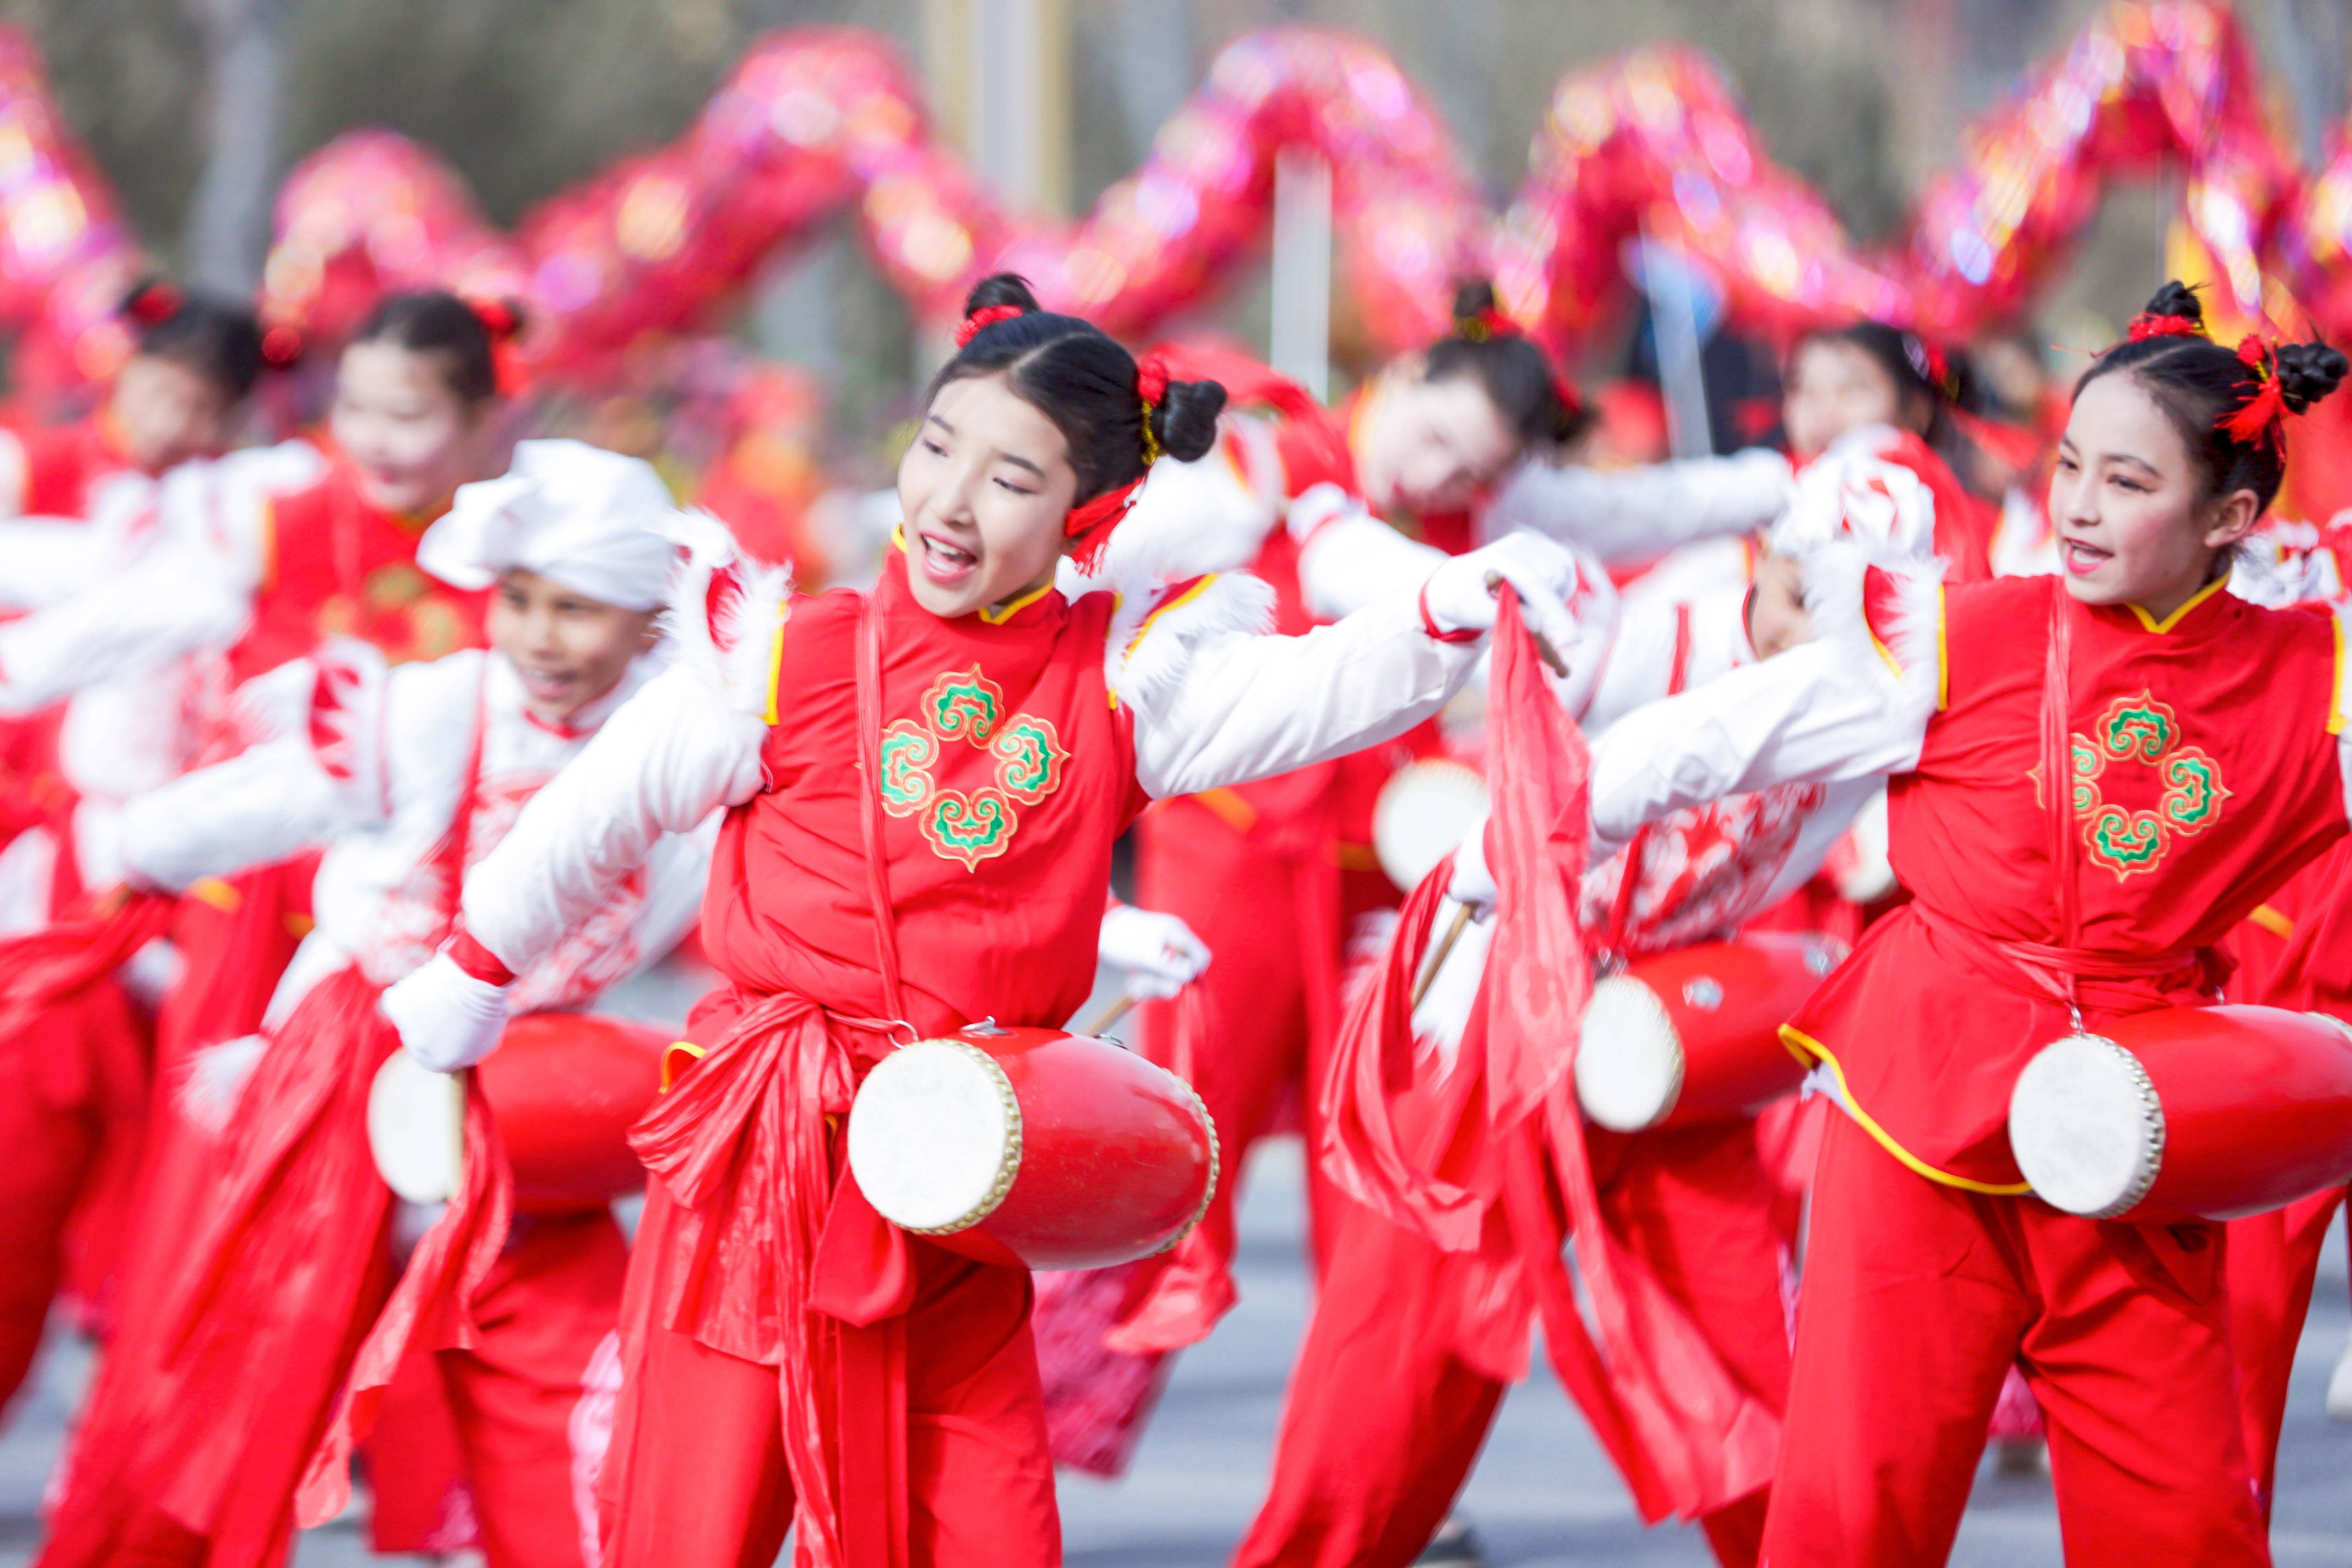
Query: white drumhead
935	1136
2085	1127
1421	815
1629	1059
416	1129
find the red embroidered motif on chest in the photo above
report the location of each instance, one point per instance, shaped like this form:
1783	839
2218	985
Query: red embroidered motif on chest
2137	789
966	708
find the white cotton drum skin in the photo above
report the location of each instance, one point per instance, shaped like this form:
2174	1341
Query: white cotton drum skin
1422	815
2180	1113
2087	1127
1629	1057
935	1136
416	1129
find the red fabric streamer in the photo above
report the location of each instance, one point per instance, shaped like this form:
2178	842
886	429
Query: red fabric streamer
432	1307
58	963
984	318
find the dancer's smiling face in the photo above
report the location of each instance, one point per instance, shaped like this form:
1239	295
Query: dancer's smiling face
2130	504
984	489
569	649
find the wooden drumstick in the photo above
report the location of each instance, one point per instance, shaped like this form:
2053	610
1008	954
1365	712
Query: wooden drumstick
1112	1014
458	1147
1544	650
1445	951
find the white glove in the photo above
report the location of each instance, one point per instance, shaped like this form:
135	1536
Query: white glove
1473	880
1543	573
446	1018
1158	954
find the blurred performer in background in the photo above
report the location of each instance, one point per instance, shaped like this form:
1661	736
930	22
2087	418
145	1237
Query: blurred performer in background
270	1235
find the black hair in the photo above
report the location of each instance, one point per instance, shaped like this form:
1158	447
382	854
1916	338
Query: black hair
1942	379
2199	386
1078	376
1515	374
463	336
215	340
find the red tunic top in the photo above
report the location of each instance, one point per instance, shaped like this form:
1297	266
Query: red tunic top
65	464
2206	771
1008	773
336	565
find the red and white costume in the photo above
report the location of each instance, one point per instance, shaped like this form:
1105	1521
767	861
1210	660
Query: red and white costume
788	1355
1928	1269
268	1243
1412	1344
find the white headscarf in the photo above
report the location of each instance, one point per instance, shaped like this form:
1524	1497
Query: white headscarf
575	514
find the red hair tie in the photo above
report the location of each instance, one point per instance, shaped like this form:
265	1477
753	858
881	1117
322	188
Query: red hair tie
504	324
984	318
281	346
2146	326
1150	386
154	303
2263	416
1486	325
498	318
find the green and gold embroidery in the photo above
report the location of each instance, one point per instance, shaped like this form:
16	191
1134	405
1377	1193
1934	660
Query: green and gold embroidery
965	707
2142	729
970	827
968	706
907	752
1029	759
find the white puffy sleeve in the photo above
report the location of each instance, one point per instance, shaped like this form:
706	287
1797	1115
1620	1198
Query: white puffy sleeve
1635	514
173	601
43	559
1214	703
1664	645
685	746
324	776
1853	703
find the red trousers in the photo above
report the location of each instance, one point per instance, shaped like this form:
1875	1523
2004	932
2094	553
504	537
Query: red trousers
1384	1419
498	1447
2273	1262
1917	1298
698	1477
1272	1006
71	1099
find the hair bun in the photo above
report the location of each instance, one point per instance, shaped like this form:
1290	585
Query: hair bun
2176	302
2307	373
1473	299
1184	420
1001	288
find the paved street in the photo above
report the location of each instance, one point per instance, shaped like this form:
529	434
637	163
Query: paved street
1542	1496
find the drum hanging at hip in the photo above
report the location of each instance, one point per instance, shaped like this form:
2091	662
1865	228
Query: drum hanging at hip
1033	1146
565	1088
2187	1113
1695	1035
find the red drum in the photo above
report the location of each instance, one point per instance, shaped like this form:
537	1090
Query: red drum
1695	1035
2187	1113
565	1086
1033	1146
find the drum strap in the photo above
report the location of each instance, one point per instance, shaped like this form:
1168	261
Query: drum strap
2058	788
877	871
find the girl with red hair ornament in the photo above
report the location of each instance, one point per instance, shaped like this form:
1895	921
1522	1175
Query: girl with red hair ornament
791	1359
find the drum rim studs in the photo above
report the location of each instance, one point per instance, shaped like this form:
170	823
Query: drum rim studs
2151	1133
1215	1168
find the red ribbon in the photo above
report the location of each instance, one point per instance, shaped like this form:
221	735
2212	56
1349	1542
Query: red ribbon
2147	324
1092	523
984	318
2263	415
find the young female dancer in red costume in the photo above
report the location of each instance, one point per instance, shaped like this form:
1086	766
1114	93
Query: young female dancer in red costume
1930	1266
270	1233
789	1356
230	567
192	363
